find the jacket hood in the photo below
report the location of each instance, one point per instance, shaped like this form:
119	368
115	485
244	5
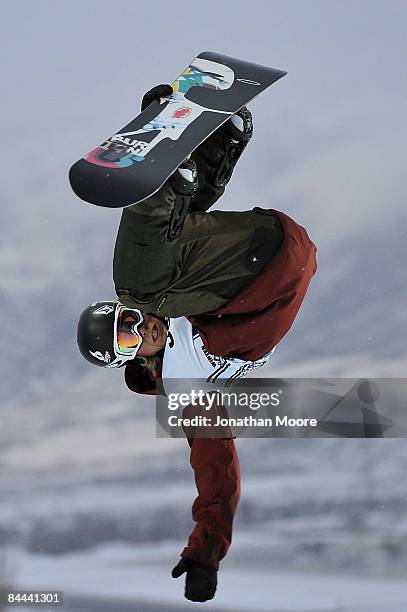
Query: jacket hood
139	380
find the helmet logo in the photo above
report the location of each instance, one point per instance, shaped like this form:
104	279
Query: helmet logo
98	355
106	309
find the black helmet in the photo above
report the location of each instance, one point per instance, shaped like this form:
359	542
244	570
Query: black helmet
108	333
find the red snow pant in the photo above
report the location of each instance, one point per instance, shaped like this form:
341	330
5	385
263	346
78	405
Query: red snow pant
217	478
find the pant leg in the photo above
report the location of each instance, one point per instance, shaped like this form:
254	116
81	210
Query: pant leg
145	258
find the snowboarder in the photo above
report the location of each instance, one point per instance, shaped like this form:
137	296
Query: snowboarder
203	295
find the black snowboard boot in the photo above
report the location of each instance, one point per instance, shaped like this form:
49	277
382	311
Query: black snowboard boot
238	131
217	156
184	182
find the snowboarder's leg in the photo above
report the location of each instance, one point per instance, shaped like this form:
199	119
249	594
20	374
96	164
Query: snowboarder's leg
147	243
217	156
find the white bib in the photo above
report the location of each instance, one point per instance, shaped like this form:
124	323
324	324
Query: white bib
186	357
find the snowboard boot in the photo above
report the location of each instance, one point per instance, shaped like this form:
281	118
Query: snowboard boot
184	182
238	131
217	156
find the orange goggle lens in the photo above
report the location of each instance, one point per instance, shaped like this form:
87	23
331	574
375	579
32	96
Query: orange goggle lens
128	338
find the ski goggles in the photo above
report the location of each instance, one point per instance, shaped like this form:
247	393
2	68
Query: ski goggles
127	339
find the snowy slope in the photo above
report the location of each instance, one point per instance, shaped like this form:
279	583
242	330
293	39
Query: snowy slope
321	504
123	574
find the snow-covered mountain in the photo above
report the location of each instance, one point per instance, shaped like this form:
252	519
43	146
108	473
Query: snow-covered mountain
320	504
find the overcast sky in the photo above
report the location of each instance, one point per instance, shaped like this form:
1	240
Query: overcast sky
329	144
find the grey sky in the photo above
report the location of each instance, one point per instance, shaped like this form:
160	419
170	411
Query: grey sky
329	148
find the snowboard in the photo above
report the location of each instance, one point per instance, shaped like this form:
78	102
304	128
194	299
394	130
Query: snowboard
134	163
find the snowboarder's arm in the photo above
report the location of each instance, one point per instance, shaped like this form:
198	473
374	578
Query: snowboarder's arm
217	477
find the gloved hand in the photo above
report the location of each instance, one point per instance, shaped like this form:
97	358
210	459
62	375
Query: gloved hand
201	580
157	92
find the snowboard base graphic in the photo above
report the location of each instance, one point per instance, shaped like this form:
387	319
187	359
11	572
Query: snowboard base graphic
134	163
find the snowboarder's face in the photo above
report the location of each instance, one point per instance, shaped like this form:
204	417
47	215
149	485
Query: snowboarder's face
154	334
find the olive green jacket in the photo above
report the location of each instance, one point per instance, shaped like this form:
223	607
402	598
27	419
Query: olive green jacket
216	256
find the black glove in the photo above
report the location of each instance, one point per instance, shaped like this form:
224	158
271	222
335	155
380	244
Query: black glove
201	580
157	92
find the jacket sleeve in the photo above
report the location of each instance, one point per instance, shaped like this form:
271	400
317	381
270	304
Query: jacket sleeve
217	477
